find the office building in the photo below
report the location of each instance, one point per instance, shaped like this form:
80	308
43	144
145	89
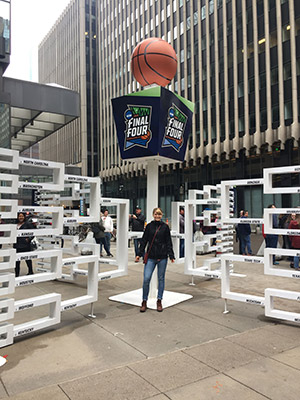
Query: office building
238	61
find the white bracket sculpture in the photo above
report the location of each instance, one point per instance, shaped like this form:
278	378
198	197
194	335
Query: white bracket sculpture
53	299
58	170
227	202
9	159
270	311
175	233
92	282
55	264
268	180
94	194
8	183
226	260
269	268
223	238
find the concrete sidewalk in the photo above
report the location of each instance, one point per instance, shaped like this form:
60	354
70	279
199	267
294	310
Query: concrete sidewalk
190	351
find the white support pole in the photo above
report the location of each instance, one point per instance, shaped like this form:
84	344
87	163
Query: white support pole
152	202
152	187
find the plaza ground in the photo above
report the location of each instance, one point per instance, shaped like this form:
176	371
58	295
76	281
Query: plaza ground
190	351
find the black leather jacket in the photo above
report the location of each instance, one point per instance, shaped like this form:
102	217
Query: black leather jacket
137	223
23	242
162	246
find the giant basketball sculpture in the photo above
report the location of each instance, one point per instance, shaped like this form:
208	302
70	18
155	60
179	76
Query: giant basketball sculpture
154	121
154	61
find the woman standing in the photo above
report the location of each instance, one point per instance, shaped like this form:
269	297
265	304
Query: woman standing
157	236
23	243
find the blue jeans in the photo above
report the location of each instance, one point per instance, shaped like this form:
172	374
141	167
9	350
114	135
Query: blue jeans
161	272
107	239
102	242
181	248
296	262
246	243
271	242
136	246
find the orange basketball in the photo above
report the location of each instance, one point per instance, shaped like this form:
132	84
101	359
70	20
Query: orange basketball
154	61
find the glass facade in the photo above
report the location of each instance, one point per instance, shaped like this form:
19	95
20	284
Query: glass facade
238	61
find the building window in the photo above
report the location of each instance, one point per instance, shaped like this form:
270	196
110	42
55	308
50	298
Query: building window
181	28
287	73
286	33
274	76
188	23
288	110
182	84
241	89
203	13
241	124
175	32
182	55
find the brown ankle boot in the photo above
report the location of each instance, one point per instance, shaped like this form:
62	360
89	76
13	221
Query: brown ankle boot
143	306
159	306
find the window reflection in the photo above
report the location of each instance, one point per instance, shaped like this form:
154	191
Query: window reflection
4	27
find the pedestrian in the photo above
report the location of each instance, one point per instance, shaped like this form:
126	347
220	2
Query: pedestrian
272	240
295	240
137	222
158	238
108	230
238	239
181	230
244	230
23	243
283	223
99	235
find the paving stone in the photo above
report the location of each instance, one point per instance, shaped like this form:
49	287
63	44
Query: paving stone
212	388
118	384
172	370
78	348
105	309
155	333
262	341
286	330
271	378
49	393
158	397
290	357
222	354
240	318
3	394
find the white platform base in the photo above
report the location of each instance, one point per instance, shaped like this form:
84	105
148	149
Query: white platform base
135	298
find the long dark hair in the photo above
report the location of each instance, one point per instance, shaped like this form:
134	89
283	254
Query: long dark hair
25	217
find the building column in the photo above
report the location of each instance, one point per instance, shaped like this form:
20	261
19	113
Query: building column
295	125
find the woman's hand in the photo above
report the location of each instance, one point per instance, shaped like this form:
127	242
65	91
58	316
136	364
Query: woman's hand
172	260
137	259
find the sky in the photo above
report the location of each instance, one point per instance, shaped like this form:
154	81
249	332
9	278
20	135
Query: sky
31	20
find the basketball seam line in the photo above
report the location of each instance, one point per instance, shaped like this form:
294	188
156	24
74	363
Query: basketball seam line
159	54
140	66
167	79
